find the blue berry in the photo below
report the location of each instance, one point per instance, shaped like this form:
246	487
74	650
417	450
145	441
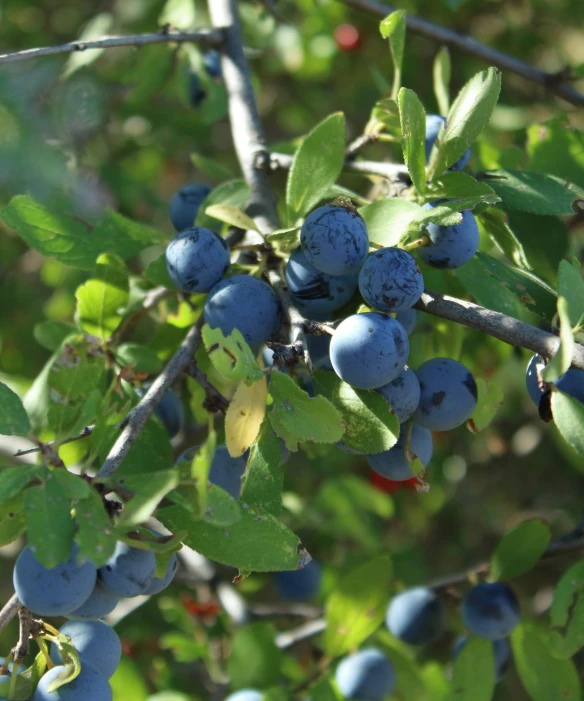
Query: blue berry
245	303
98	605
128	572
417	616
226	472
212	64
314	292
90	685
246	695
185	204
403	394
490	610
393	463
450	246
434	123
196	259
448	394
366	676
501	653
53	592
197	93
369	350
169	410
96	642
319	349
334	239
158	584
408	319
572	382
390	280
299	585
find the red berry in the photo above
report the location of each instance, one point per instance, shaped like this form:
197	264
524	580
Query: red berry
391	486
347	37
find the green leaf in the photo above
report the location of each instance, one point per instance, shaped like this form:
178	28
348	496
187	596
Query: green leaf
473	673
256	543
388	220
232	215
543	677
231	356
285	240
384	116
413	128
316	166
235	192
490	399
493	223
571	287
12	520
71	242
441	74
14	479
255	661
520	549
13	418
222	509
557	147
457	186
157	274
370	425
211	168
264	478
532	292
26	681
97	27
469	115
180	14
95	534
48	522
538	193
128	683
74	485
51	334
562	360
567	613
296	417
100	301
140	358
357	606
393	27
152	449
149	489
569	418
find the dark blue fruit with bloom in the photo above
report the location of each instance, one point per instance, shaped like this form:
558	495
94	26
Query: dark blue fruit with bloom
501	653
184	205
196	259
299	585
369	350
226	472
490	610
450	246
245	303
169	410
448	394
334	239
128	572
393	464
96	642
402	394
417	616
434	123
98	605
90	685
366	675
315	292
390	280
212	64
571	382
408	319
56	591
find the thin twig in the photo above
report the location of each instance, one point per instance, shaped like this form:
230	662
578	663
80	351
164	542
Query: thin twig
291	610
214	400
390	171
358	144
151	300
144	409
246	128
555	82
303	632
501	326
206	37
87	431
26	622
9	611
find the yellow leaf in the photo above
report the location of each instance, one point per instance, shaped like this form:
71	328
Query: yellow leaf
244	416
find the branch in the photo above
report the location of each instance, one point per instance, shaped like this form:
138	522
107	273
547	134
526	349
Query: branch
292	610
207	37
140	414
246	128
303	632
214	400
26	623
9	611
417	25
501	326
391	171
87	431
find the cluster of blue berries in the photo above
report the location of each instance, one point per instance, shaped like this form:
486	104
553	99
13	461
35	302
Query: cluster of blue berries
571	382
84	593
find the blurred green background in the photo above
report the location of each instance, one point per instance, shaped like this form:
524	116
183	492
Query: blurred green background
120	132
